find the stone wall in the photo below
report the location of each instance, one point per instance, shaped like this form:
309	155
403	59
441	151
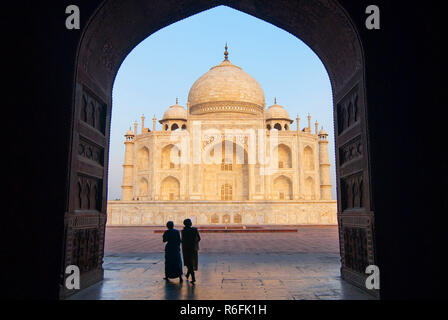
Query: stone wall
129	213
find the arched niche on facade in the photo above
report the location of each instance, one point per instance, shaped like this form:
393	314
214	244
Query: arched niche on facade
171	157
143	158
143	187
284	156
282	188
170	188
309	188
308	157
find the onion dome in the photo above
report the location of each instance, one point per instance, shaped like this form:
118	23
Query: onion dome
226	88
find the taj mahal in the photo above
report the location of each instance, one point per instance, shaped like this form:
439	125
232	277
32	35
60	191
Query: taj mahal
225	159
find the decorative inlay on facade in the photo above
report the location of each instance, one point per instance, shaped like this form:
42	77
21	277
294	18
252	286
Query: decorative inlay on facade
355	253
88	193
352	191
90	151
83	221
351	151
348	110
85	249
93	111
226	106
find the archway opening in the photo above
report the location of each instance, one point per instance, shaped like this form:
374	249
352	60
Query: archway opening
342	82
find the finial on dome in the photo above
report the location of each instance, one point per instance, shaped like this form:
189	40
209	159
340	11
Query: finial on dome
177	100
226	54
275	100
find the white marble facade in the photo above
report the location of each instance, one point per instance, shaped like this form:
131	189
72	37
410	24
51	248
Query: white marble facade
225	159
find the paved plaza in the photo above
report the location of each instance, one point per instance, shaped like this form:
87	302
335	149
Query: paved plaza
316	239
265	266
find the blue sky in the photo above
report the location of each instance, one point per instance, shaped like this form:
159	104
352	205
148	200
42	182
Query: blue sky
166	64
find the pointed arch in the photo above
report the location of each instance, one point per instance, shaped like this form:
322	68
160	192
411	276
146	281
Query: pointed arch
309	188
79	195
337	43
143	187
170	157
84	110
308	157
283	188
143	159
94	197
88	195
92	114
284	156
170	189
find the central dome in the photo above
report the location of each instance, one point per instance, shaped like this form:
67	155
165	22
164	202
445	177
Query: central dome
226	88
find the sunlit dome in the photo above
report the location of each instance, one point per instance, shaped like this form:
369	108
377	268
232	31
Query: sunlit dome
226	88
175	112
276	112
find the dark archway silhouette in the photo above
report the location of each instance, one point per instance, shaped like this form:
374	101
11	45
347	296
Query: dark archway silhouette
401	80
322	24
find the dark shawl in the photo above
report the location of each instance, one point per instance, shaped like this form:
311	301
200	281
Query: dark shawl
190	247
173	260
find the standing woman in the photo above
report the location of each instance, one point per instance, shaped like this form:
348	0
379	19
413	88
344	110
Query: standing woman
190	248
173	260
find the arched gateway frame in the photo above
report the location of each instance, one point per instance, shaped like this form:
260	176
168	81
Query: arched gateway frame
118	26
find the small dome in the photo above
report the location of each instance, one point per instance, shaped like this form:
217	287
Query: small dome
322	132
276	112
129	133
175	112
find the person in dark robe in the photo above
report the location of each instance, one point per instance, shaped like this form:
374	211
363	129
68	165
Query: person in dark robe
190	248
173	259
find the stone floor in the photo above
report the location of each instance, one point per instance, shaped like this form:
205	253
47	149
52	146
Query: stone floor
303	265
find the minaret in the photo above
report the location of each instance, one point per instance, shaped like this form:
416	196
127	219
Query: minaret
317	128
143	123
135	127
309	123
154	123
128	167
298	123
324	166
